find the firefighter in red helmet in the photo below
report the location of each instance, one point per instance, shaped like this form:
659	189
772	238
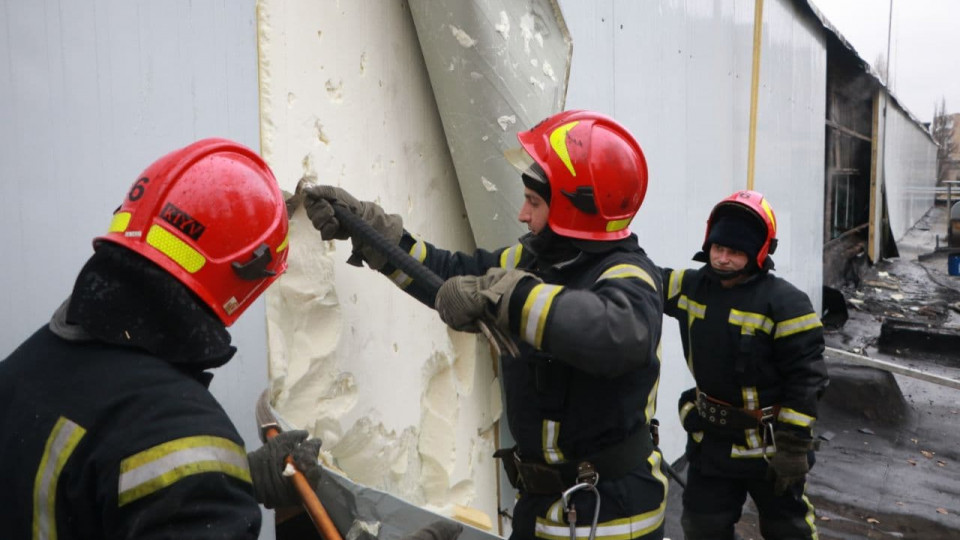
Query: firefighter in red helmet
109	429
754	346
584	303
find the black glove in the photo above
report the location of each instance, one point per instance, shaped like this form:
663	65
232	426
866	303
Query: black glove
692	422
462	300
270	487
789	465
318	202
438	530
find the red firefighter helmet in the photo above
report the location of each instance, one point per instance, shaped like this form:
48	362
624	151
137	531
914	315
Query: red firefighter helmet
755	205
596	172
212	215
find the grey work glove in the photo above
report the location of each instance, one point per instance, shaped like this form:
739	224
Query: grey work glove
463	300
270	487
318	202
438	530
789	465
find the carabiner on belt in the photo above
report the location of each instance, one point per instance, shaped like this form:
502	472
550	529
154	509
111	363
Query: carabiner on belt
767	427
586	479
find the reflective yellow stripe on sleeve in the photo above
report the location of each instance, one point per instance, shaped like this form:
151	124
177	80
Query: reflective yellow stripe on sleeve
676	279
510	257
796	418
621	271
62	441
684	411
744	452
419	252
651	409
535	311
163	465
796	325
694	311
687	407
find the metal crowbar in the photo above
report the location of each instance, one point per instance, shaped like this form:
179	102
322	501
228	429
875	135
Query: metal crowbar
269	428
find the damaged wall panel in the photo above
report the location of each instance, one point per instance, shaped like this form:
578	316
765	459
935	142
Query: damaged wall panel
888	191
401	403
496	68
849	142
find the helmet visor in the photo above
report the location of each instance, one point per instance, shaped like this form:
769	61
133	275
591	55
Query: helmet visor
524	162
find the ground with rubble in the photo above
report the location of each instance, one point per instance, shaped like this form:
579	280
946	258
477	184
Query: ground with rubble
889	466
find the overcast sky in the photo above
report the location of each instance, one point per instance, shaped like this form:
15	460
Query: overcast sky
924	46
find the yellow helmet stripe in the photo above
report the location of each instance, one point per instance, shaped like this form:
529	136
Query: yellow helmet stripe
769	211
179	252
120	222
618	224
558	140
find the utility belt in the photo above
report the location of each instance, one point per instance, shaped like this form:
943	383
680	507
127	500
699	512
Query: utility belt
727	416
539	478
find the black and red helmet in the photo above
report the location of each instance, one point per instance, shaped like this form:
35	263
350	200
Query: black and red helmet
752	209
594	169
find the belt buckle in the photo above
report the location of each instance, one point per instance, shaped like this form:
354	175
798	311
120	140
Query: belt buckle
768	414
709	409
587	473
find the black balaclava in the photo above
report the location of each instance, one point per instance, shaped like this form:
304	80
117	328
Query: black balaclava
124	299
536	185
736	229
548	246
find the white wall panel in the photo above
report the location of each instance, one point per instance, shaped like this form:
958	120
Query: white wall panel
677	74
790	140
910	169
91	93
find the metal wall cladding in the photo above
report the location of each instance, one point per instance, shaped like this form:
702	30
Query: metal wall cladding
910	170
496	68
678	75
92	93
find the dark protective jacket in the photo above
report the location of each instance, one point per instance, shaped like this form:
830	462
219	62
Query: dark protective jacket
757	344
101	441
587	374
108	431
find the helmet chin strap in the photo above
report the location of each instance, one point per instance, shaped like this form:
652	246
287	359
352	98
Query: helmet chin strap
550	247
732	274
